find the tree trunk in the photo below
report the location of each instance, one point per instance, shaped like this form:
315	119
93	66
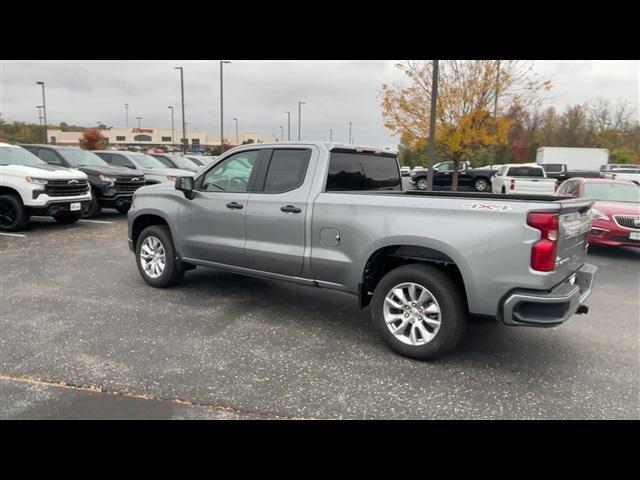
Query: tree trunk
454	176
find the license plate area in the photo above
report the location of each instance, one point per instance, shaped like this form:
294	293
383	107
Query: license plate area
74	207
634	235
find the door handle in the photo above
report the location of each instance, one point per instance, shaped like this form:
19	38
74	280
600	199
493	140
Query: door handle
290	209
235	205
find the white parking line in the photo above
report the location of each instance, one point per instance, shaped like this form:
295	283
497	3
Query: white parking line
12	234
95	221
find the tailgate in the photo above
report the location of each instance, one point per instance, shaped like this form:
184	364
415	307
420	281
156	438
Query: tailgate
535	185
573	234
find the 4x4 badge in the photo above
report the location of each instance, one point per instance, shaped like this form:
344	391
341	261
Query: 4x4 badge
490	207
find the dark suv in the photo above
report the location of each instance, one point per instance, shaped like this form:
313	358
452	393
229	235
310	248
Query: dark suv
111	187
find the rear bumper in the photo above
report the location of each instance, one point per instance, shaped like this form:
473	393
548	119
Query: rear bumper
550	308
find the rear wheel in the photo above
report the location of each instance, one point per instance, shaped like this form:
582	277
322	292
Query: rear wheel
481	184
422	184
156	257
68	219
13	215
419	311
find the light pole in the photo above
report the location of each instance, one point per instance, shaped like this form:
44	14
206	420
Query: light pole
172	132
44	112
300	119
138	118
184	127
39	107
331	134
126	113
281	133
236	120
350	132
288	126
222	62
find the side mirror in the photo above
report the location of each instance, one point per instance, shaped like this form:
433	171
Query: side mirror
185	185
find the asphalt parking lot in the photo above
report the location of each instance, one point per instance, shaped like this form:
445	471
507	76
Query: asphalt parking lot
82	336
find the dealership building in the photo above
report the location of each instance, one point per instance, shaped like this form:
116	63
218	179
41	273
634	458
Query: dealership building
141	136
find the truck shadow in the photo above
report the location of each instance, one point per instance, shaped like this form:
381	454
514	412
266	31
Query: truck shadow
281	303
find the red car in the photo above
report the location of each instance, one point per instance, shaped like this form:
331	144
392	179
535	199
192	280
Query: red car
616	211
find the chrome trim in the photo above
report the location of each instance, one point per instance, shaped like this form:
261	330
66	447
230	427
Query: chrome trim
632	217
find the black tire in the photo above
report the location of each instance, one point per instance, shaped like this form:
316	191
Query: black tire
124	208
173	271
504	191
421	183
95	209
13	214
68	219
453	310
482	184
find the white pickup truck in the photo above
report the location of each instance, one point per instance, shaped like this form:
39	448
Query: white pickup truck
29	186
523	179
630	173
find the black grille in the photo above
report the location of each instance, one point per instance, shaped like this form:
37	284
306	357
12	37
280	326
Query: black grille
128	184
62	188
628	221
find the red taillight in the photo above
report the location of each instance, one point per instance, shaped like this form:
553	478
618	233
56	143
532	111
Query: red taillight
512	185
543	252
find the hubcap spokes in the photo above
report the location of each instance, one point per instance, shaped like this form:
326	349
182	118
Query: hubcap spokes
412	314
7	214
152	257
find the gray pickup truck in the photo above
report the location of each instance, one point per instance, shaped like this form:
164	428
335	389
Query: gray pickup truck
335	216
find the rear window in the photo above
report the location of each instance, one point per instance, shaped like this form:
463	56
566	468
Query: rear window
525	172
356	171
552	168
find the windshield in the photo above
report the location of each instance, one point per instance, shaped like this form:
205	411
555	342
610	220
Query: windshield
183	162
612	192
18	156
146	161
196	161
82	158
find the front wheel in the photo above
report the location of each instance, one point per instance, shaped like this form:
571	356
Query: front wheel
124	208
419	311
422	184
95	208
156	257
13	215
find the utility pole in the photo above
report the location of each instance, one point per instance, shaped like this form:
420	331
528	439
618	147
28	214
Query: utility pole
44	112
432	126
222	62
184	127
331	134
40	117
349	133
138	118
288	126
126	114
300	119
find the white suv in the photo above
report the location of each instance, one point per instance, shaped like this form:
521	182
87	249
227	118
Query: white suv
29	186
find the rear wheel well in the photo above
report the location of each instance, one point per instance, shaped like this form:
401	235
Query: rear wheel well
144	221
384	260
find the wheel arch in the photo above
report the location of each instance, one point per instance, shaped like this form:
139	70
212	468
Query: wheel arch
4	190
388	257
145	220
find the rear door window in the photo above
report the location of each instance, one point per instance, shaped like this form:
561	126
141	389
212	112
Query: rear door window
359	171
287	169
525	172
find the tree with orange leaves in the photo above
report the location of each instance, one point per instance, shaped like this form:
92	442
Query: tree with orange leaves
92	139
473	97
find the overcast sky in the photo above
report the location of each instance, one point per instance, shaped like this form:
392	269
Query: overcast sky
258	93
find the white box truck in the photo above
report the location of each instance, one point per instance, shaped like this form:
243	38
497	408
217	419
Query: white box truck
576	159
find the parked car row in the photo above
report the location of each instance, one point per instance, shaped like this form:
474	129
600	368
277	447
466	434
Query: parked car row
68	183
